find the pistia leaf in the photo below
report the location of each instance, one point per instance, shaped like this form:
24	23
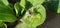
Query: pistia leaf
16	6
36	2
34	16
58	11
23	25
22	3
6	14
5	2
2	25
19	7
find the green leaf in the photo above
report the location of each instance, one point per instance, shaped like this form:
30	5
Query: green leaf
2	25
58	11
22	25
35	16
36	2
7	14
19	9
22	3
5	2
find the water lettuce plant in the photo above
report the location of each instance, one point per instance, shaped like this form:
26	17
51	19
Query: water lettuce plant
23	14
